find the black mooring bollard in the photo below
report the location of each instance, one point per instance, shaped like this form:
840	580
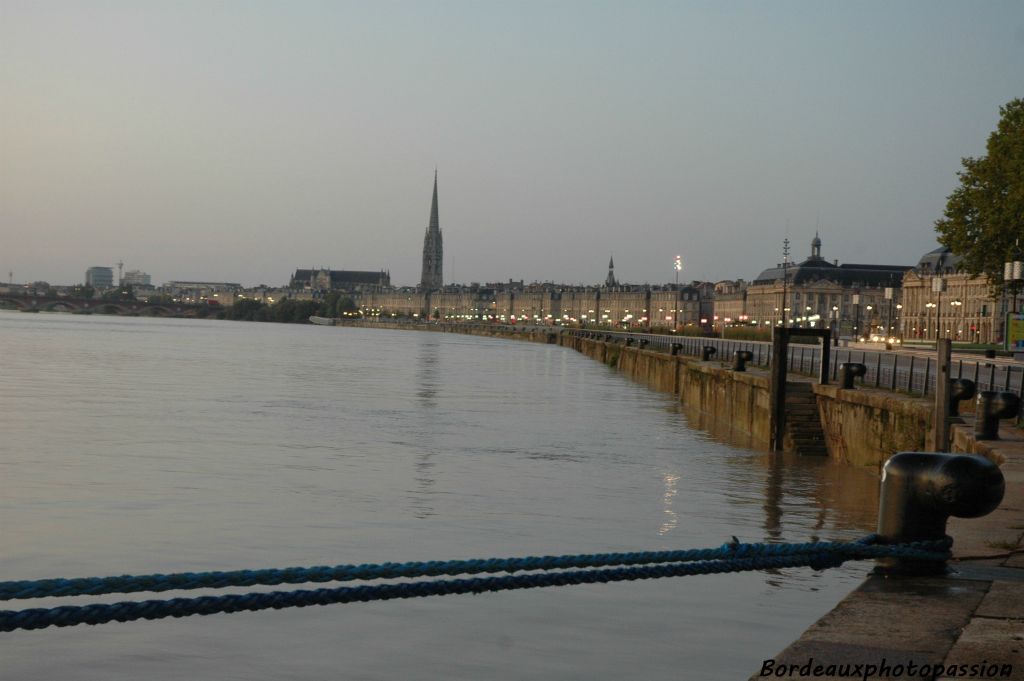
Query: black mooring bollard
676	348
608	338
552	338
991	407
629	341
643	343
707	352
848	371
959	389
920	490
740	359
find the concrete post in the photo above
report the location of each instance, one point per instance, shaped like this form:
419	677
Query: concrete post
940	420
777	398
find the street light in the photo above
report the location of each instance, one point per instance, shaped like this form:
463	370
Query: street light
956	304
1013	274
930	305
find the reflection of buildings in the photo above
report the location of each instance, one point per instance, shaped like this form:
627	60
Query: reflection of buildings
941	300
819	293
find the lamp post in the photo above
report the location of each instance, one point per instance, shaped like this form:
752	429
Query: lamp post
888	314
1013	274
855	299
870	319
938	286
956	305
930	305
896	325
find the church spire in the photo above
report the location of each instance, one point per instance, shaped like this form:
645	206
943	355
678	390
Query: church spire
434	222
433	251
610	279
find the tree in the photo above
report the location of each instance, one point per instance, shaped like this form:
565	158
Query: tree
984	217
246	309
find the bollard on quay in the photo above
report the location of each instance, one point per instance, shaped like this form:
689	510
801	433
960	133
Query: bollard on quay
643	343
675	348
706	352
629	341
848	371
991	407
959	389
740	359
921	490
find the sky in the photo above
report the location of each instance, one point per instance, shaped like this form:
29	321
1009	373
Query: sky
239	141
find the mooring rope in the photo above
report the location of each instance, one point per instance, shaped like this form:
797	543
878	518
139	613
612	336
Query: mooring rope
731	557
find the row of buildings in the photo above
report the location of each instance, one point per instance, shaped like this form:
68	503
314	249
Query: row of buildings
932	299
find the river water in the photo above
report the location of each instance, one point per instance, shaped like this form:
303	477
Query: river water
139	445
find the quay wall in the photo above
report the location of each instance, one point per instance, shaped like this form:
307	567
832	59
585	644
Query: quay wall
862	427
735	404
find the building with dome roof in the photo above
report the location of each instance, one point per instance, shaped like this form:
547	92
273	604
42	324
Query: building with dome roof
940	300
853	299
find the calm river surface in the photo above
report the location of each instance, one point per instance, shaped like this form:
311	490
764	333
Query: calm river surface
136	445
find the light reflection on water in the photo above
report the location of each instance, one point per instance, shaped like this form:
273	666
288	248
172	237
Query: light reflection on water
142	445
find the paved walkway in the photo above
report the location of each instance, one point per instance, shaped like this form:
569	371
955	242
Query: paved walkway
972	618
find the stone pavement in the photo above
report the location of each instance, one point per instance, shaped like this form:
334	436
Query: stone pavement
971	622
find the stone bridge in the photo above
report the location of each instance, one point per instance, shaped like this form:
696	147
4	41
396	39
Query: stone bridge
89	306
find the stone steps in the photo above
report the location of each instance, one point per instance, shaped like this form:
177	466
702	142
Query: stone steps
803	423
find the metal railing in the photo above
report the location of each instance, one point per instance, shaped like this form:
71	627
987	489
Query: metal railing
886	370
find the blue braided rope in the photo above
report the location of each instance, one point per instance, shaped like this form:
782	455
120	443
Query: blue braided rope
93	586
65	616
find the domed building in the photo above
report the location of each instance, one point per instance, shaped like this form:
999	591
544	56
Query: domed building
941	300
854	299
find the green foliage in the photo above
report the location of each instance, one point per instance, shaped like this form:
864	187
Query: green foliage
693	331
248	310
749	333
346	304
290	311
984	217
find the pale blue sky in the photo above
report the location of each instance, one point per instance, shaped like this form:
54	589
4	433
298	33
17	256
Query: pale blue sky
240	140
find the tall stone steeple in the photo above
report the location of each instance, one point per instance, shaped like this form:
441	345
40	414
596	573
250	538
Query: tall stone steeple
433	251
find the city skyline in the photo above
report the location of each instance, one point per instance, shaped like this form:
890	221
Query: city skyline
242	141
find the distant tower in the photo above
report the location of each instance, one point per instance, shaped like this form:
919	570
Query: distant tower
610	279
433	251
816	247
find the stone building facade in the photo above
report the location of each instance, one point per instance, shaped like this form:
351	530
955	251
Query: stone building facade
940	300
852	299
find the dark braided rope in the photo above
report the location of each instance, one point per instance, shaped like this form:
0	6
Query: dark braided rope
866	547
